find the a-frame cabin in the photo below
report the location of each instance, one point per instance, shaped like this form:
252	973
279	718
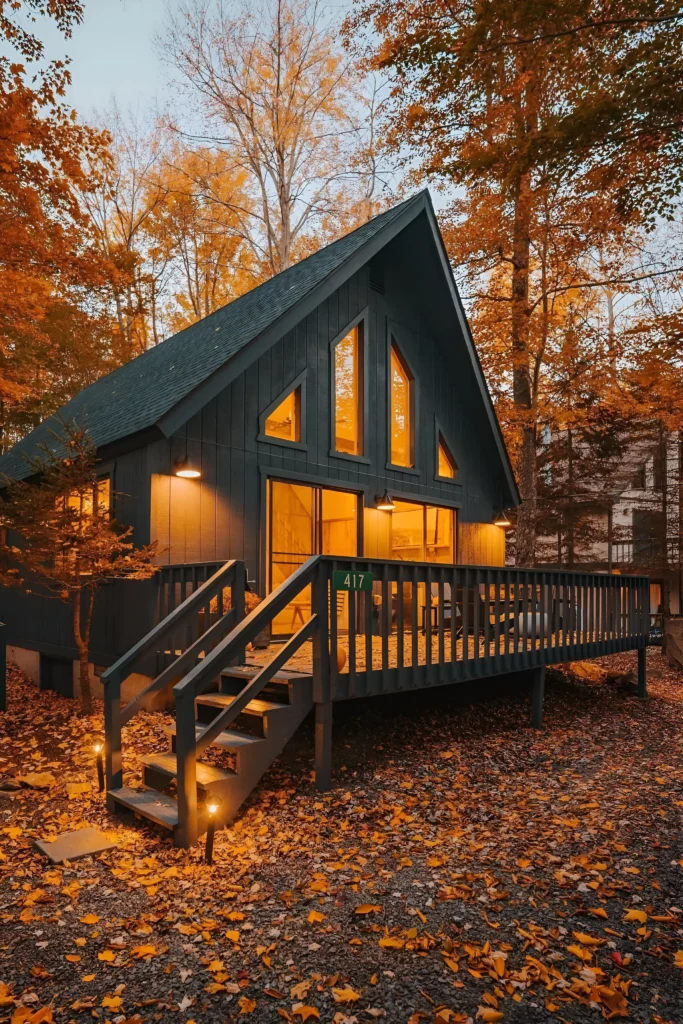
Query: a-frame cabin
327	431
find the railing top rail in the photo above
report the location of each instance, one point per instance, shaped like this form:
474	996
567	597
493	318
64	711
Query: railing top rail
190	565
539	569
205	592
206	669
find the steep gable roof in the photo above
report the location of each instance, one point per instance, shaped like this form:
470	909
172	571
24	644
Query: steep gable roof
162	387
138	394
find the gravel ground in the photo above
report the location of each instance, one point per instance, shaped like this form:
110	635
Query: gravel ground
463	868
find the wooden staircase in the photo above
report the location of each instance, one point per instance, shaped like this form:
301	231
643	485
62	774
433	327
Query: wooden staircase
247	711
258	736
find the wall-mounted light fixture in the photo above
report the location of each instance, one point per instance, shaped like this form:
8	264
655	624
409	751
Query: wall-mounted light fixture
183	467
384	503
501	519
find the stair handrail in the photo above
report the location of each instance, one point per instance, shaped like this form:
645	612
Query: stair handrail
206	671
232	574
122	668
202	674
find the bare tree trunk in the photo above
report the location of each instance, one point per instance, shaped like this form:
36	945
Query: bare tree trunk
521	376
82	643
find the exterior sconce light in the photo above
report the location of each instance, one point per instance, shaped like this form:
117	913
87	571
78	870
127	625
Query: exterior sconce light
384	503
100	766
501	519
183	468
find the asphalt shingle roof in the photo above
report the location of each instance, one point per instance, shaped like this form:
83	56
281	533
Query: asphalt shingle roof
138	394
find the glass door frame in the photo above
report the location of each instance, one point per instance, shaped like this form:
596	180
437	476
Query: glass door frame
317	489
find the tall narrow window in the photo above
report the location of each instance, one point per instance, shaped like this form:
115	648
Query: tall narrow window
446	466
285	421
348	393
402	401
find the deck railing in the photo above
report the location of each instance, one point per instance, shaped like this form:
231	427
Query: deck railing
424	624
410	626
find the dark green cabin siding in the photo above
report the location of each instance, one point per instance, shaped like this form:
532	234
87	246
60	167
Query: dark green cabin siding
222	515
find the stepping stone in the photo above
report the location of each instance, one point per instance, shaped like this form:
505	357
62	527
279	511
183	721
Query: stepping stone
73	845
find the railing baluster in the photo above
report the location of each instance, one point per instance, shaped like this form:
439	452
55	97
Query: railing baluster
400	653
465	601
476	615
369	645
498	625
428	620
441	611
414	639
454	620
385	625
334	632
352	643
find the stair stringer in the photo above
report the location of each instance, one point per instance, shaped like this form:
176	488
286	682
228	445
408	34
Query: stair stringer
254	760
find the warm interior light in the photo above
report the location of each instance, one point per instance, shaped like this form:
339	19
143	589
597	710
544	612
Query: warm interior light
501	519
212	808
384	503
184	469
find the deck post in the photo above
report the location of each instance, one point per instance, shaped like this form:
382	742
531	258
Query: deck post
642	672
187	831
323	746
322	689
537	691
112	738
237	600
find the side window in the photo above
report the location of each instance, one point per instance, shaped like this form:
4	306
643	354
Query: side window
348	392
402	410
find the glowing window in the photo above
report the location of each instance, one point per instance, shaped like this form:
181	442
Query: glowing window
348	393
402	401
422	533
285	421
446	463
84	503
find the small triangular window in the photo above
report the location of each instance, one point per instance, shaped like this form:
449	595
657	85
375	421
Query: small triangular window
285	421
446	465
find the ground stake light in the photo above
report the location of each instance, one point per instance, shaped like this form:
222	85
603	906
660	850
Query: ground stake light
100	766
211	828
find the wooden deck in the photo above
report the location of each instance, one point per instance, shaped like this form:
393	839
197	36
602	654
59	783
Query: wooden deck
410	626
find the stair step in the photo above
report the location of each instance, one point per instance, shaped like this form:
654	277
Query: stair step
249	671
207	774
229	739
224	700
148	803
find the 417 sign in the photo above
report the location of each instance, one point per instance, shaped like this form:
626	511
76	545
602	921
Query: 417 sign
343	579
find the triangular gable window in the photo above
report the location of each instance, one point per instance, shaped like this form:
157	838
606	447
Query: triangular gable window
284	422
446	464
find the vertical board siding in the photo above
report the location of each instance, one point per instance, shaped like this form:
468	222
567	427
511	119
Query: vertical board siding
221	515
480	544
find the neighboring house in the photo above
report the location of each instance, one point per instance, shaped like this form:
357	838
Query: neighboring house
271	430
631	523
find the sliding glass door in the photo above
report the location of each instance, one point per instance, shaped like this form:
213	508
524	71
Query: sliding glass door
305	521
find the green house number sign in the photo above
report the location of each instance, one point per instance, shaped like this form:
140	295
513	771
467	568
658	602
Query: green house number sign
343	579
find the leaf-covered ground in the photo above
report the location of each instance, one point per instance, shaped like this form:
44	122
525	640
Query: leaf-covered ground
463	868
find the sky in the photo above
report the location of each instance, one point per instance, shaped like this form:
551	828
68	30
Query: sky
112	55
